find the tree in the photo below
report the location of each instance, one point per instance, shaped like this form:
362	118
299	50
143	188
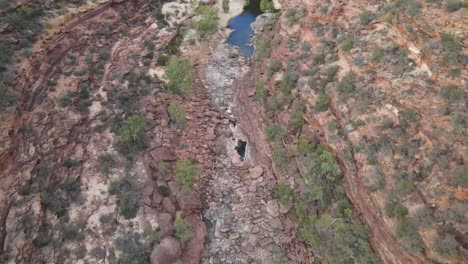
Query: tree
186	173
182	229
179	74
225	5
275	132
132	134
366	17
297	120
207	24
321	104
177	114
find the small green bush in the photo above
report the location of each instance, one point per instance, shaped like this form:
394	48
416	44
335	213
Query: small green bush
70	163
260	92
71	232
297	119
275	132
348	43
186	173
5	56
162	60
452	5
446	246
132	135
262	47
452	47
291	15
42	239
133	250
225	6
321	104
106	162
284	193
51	201
65	99
179	73
377	55
127	190
182	229
267	6
452	93
366	17
346	86
177	114
278	154
460	176
70	184
289	82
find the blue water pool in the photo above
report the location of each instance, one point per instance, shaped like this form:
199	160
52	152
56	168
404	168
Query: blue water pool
242	35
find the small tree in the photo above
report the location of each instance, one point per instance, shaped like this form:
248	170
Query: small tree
275	132
225	5
297	119
186	173
177	114
182	229
207	23
267	6
179	73
321	104
132	134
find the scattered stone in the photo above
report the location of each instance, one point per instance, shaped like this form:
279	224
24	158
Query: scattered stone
234	236
276	223
266	241
189	201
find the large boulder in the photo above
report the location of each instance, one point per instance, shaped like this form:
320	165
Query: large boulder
167	252
189	201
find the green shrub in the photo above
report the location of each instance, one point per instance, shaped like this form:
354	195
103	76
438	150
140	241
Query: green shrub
289	82
71	232
348	43
262	47
132	250
366	17
460	176
182	229
177	114
186	173
24	18
291	15
51	201
162	60
446	246
267	6
297	119
278	154
65	99
303	145
414	8
5	56
275	66
377	55
106	162
132	135
208	21
275	132
70	163
452	93
70	184
179	73
346	86
225	5
408	231
452	5
321	104
260	92
284	193
4	4
128	194
452	48
42	239
25	190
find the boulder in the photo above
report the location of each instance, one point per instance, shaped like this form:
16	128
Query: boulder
167	252
256	172
162	154
189	201
272	208
165	224
170	208
194	247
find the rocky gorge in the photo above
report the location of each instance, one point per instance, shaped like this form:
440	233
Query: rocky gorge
133	133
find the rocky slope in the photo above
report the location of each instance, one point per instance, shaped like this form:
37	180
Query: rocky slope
354	115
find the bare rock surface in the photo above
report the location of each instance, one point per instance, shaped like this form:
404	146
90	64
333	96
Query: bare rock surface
168	251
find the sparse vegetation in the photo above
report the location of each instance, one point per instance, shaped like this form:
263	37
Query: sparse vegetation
460	176
297	119
452	47
186	173
182	229
348	43
179	73
106	162
133	251
346	86
275	132
71	232
321	104
177	114
452	5
284	193
260	92
267	6
377	55
225	6
65	99
452	93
